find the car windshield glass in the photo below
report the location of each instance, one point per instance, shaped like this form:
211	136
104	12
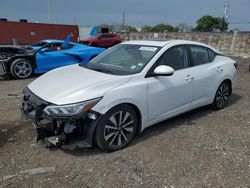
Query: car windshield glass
123	59
40	43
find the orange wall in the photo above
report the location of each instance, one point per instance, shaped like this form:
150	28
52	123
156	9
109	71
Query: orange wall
23	32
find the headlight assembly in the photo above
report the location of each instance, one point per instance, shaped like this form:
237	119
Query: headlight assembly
72	109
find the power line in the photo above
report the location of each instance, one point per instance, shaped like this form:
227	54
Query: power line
239	23
240	19
49	7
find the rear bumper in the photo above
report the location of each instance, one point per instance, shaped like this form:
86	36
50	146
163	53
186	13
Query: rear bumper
67	132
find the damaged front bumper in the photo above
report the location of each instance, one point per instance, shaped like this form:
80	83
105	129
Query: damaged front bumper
68	132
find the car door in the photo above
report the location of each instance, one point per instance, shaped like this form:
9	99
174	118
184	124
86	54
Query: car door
168	95
205	74
106	40
110	40
53	58
102	40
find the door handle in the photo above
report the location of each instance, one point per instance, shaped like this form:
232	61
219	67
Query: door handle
189	77
219	69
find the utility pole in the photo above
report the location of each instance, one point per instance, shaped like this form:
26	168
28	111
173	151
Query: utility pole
123	21
75	20
226	10
49	8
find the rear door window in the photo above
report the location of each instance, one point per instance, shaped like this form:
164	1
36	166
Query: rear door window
200	55
211	55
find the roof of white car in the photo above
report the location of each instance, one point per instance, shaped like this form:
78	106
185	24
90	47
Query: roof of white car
162	43
148	42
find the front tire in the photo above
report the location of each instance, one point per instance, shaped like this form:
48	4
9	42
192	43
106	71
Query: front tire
117	128
221	96
21	68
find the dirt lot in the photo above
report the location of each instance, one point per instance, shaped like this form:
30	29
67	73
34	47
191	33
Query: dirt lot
202	148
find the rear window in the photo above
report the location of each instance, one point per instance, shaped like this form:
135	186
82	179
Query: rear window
57	44
40	43
211	55
107	35
200	55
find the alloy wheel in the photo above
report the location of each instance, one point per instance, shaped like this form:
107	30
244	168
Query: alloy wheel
22	69
119	129
222	95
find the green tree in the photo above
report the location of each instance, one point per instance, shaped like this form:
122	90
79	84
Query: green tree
223	24
146	28
159	28
209	24
162	27
129	28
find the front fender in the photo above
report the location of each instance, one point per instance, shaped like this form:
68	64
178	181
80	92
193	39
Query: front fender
132	92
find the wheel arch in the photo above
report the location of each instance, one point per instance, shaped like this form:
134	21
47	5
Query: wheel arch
94	133
14	60
28	58
139	116
224	79
214	104
134	107
230	84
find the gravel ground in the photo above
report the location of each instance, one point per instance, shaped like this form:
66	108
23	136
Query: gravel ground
202	148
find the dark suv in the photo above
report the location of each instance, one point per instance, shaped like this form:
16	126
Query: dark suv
102	40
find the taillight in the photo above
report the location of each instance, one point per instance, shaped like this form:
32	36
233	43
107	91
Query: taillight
236	65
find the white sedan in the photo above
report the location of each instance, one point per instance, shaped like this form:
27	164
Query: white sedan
126	89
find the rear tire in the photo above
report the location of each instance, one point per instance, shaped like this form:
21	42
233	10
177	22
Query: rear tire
221	96
21	68
117	128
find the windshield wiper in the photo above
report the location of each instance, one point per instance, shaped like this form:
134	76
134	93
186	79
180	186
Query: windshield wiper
95	69
82	65
101	70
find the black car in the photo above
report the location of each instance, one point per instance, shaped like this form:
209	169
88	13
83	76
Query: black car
14	61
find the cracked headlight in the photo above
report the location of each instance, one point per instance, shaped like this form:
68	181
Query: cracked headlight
72	109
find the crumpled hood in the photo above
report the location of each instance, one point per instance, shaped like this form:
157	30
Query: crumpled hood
72	84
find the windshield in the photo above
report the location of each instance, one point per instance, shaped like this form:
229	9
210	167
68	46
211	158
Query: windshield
40	43
123	59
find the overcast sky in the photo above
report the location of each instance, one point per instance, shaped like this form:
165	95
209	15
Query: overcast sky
138	12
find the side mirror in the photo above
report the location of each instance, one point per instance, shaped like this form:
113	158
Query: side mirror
163	70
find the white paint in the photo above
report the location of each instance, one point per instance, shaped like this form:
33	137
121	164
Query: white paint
157	98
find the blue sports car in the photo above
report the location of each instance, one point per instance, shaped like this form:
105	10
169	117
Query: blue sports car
50	43
50	54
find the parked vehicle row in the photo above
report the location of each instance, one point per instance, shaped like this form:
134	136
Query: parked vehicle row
104	40
126	89
44	56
